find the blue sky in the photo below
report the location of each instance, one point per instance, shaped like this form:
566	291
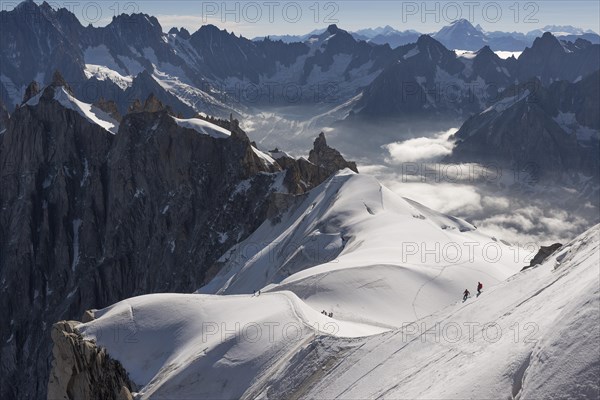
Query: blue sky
257	18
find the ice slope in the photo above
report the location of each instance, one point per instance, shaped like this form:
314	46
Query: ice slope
356	249
534	336
200	346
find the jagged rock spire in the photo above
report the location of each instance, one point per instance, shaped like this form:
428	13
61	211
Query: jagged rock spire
58	81
324	156
32	90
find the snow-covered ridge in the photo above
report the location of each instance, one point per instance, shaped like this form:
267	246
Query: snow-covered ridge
90	112
215	131
352	240
203	127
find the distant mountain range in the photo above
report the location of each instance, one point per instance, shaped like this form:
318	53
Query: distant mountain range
459	35
555	128
430	80
216	72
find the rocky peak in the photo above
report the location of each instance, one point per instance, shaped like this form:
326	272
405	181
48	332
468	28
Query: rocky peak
546	44
427	42
28	6
32	90
486	51
58	81
303	175
182	33
152	104
137	29
333	29
324	156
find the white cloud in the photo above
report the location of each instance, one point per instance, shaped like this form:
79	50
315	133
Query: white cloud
499	213
421	149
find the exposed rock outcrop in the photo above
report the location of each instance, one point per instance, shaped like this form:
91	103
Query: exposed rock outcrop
327	158
81	370
303	174
152	104
109	107
543	253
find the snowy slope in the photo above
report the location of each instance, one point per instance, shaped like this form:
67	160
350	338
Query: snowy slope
541	341
278	345
355	248
217	347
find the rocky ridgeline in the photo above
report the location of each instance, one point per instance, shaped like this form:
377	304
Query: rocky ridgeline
88	218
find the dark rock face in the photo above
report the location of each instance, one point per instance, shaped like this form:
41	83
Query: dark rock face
527	127
543	253
81	370
88	218
4	115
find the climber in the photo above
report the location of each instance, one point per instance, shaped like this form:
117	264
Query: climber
479	287
466	294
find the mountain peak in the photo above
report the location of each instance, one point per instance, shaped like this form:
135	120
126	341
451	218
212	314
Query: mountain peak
547	42
32	90
57	79
333	29
129	21
486	50
426	40
463	22
26	5
324	156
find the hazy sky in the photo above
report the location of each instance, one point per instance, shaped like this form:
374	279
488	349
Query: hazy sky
258	18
